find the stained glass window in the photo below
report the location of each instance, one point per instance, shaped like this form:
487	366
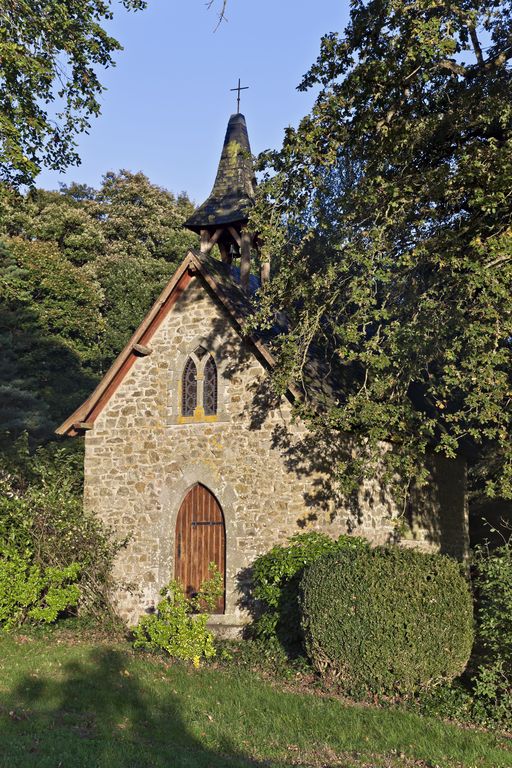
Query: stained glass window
210	388
189	389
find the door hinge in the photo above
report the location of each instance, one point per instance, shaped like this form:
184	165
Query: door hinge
205	522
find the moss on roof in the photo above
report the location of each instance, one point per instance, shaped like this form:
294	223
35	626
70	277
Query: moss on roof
233	191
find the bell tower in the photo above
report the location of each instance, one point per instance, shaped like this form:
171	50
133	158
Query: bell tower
222	219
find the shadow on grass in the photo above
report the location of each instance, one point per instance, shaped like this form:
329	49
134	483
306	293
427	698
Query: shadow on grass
95	713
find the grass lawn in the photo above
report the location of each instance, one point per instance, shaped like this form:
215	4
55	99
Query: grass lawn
73	703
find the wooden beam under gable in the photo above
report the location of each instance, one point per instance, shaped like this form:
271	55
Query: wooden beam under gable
236	237
141	350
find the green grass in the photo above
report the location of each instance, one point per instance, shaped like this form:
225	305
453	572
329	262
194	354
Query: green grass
97	703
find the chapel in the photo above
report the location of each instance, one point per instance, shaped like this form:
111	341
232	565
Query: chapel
189	455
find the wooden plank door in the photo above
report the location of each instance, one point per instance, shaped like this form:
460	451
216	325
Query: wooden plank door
200	540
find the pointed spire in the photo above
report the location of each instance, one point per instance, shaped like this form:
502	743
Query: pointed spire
233	191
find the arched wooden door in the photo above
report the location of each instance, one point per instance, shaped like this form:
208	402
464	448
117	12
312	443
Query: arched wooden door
200	540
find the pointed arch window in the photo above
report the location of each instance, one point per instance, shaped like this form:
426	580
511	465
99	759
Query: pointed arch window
210	387
189	388
199	387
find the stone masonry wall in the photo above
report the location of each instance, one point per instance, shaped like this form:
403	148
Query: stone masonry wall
140	462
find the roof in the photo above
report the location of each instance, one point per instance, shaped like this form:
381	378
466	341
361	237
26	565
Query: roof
220	279
233	191
223	282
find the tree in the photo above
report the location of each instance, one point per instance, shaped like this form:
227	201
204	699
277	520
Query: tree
142	225
51	328
50	53
143	220
65	218
389	212
126	239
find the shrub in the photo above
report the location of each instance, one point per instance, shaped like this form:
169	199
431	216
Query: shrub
493	678
276	577
387	620
28	591
179	626
45	535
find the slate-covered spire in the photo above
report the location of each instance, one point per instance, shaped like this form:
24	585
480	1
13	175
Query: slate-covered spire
233	191
222	219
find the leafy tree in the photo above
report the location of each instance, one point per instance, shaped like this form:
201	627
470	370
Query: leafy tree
389	213
143	220
130	285
142	225
52	552
50	53
71	222
80	268
51	328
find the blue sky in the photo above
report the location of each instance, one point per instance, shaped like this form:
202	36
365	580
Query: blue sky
168	100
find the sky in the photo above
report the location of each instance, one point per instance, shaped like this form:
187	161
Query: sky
168	100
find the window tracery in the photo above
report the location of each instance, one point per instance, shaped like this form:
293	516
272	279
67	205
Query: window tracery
189	388
210	387
199	386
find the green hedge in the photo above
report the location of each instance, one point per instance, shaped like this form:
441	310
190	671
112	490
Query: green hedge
387	620
492	682
276	576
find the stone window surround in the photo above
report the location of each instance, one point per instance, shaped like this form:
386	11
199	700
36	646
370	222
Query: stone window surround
186	350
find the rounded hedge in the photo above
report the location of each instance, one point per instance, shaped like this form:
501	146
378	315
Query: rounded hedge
387	620
276	577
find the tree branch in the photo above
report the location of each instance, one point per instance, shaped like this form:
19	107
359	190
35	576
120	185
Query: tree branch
222	12
476	45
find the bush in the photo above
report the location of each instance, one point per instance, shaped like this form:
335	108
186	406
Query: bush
276	577
28	591
493	678
50	548
178	626
387	620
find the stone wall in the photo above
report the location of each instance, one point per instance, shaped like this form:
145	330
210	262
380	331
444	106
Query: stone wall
264	469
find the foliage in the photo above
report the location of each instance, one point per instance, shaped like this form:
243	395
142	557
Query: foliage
387	620
179	624
50	54
80	268
493	679
276	576
28	591
144	242
50	326
387	214
449	701
49	545
70	219
142	220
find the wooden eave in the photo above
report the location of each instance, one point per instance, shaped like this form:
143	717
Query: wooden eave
85	415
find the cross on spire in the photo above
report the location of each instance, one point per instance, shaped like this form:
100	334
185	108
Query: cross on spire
239	88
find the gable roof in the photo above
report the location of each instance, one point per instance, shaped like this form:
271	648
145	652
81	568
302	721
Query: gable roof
218	278
233	191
